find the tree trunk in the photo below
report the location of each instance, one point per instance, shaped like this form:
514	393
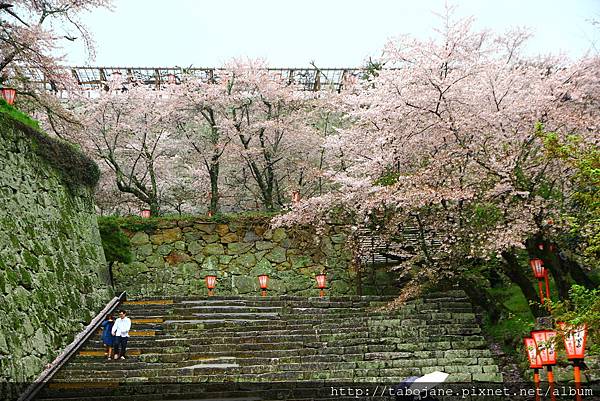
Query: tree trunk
577	272
481	298
154	207
213	173
514	271
551	262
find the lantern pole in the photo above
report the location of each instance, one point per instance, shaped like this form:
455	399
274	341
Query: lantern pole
577	377
547	284
551	382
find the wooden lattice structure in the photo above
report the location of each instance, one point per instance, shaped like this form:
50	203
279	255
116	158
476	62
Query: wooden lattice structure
94	78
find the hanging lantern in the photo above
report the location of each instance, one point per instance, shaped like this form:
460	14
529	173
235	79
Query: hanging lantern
541	247
211	282
321	283
537	265
539	271
263	281
145	213
295	197
544	342
8	94
171	79
575	339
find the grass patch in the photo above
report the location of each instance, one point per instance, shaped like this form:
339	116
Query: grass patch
18	115
518	322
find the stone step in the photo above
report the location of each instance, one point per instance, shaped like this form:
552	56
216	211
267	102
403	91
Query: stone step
85	364
278	339
362	336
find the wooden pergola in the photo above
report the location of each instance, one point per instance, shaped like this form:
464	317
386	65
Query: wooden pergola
94	78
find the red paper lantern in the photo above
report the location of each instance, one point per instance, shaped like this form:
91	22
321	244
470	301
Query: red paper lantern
263	280
535	362
537	265
544	342
321	283
541	247
145	213
575	339
295	196
321	280
8	94
211	282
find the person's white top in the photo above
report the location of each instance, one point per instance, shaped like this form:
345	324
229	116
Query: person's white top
121	327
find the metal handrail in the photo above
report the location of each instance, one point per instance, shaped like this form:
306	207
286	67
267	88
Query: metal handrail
70	350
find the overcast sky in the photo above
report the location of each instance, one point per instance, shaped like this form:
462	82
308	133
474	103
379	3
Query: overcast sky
333	33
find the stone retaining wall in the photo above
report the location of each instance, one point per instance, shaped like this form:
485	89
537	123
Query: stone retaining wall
172	257
52	270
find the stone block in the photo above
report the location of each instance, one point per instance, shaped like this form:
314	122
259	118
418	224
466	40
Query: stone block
238	248
210	238
222	229
276	255
213	249
247	260
487	377
229	238
166	236
194	247
278	234
264	245
177	257
207	228
164	249
140	238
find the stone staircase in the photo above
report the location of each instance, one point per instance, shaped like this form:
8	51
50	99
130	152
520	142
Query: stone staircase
277	348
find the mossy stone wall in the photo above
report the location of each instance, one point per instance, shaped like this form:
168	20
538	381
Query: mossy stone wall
53	276
172	257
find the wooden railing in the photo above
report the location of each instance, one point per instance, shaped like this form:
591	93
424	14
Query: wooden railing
43	379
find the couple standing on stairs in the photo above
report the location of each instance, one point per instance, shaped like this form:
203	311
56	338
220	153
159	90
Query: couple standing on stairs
116	334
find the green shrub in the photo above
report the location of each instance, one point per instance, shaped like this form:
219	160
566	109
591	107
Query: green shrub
117	247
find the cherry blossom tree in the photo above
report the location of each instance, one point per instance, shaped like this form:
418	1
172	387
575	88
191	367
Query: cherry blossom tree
128	129
258	121
443	139
30	45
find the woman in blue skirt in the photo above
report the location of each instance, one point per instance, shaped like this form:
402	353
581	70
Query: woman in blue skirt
107	337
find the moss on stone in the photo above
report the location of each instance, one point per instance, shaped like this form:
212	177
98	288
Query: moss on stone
75	167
